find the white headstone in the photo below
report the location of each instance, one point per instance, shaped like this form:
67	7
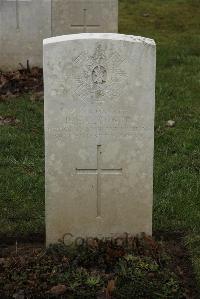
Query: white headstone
23	26
25	23
99	135
76	16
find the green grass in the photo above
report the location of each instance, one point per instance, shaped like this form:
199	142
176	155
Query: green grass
175	26
22	168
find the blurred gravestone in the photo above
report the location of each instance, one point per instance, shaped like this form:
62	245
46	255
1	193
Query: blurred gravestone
23	26
77	16
25	23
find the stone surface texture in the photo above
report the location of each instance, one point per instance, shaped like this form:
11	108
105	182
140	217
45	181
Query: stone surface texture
25	23
99	135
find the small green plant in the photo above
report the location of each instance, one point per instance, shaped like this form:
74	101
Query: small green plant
142	277
93	281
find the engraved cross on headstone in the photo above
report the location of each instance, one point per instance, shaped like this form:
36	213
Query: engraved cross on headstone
98	172
17	11
85	25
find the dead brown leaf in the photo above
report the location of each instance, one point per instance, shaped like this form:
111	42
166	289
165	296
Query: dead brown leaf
60	289
8	120
110	288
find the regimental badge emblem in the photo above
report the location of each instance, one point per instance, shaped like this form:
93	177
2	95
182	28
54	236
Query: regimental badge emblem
99	76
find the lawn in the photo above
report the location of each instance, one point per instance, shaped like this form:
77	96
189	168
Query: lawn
175	26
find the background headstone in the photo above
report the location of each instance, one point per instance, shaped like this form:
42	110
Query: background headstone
99	128
76	16
23	26
25	23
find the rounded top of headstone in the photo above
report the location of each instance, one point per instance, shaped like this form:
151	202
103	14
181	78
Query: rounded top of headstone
99	36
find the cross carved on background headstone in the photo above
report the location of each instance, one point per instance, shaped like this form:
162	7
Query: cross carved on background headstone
16	12
84	25
98	172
